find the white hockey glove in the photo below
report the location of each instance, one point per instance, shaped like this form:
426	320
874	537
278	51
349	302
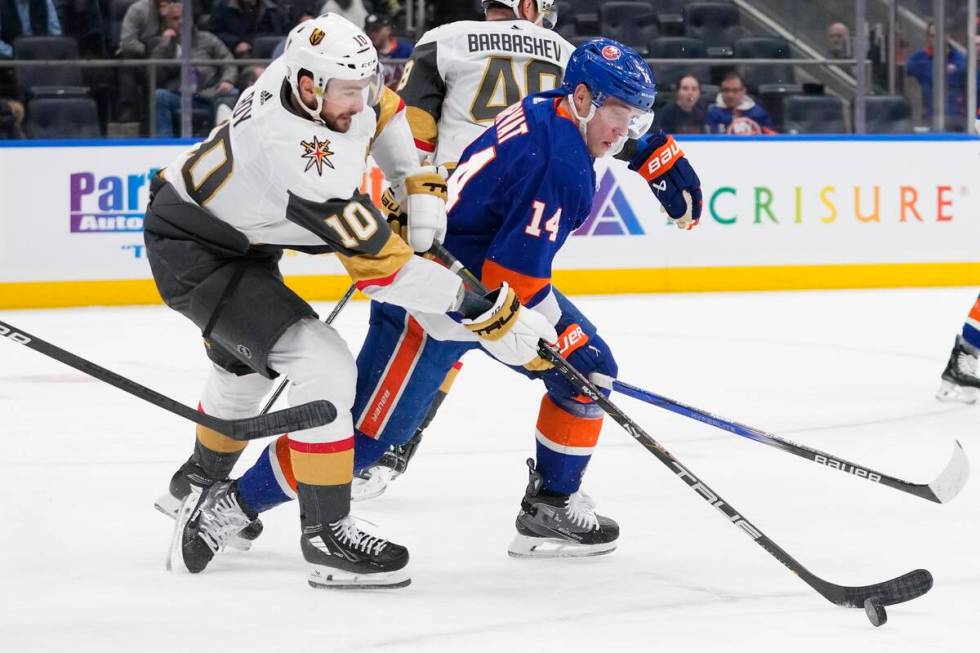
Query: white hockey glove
423	194
511	332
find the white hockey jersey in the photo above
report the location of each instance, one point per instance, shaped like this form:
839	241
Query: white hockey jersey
286	181
463	74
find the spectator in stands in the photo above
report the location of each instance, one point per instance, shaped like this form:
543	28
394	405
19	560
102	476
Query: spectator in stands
26	18
352	10
378	29
687	114
248	76
11	118
83	19
282	44
238	22
213	85
919	66
838	41
141	24
734	112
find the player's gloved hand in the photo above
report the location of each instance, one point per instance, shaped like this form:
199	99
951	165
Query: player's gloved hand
660	161
424	195
590	357
397	219
511	332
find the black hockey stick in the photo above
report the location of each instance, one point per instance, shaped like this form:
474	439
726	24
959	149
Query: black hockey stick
897	590
330	318
297	418
941	490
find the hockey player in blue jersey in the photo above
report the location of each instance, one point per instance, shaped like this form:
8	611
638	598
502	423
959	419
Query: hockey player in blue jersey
519	191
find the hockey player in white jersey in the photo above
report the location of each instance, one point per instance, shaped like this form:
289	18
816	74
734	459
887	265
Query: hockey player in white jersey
460	77
463	74
283	173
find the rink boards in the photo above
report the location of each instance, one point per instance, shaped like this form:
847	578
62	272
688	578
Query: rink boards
779	213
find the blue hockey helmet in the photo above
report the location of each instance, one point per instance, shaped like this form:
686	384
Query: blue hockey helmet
611	69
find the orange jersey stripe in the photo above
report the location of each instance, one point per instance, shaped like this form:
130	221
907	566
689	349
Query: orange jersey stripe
524	285
565	429
975	311
393	380
285	461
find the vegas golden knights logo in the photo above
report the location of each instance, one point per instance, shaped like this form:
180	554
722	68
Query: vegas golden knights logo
316	36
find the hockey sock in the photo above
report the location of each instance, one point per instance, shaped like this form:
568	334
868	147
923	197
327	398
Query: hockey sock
323	471
215	453
270	481
565	442
971	327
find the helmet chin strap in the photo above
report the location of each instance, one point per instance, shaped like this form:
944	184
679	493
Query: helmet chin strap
313	113
583	123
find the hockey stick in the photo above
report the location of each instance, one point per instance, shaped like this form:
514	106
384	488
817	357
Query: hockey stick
941	490
297	418
330	318
897	590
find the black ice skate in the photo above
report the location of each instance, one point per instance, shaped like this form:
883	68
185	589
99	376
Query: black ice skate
560	525
960	381
373	481
206	522
191	478
345	557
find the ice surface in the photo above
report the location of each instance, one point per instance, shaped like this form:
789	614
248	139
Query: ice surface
852	373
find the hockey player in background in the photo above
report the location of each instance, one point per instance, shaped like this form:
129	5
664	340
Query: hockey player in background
283	173
959	380
519	191
461	76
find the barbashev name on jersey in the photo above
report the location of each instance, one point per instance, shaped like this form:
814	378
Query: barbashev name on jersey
517	43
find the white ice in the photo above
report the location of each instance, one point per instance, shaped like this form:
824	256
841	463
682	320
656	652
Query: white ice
852	373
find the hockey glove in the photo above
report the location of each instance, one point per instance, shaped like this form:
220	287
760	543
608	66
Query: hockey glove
424	195
397	220
660	161
511	332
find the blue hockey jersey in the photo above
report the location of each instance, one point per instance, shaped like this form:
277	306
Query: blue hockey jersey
520	189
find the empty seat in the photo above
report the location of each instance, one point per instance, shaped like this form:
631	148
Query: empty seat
632	23
70	117
887	114
47	47
263	46
678	47
566	19
715	23
773	98
813	114
764	48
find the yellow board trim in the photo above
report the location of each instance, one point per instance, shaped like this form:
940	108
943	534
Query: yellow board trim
61	294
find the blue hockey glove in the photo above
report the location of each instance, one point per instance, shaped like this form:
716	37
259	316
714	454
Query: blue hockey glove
660	161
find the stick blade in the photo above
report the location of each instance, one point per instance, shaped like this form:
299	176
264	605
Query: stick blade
952	479
897	590
289	420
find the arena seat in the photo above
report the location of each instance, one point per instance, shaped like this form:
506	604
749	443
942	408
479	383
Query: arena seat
63	117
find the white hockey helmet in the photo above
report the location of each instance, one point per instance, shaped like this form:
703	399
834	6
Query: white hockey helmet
332	47
547	10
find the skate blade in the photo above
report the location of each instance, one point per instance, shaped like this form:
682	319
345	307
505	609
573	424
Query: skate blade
338	579
169	505
952	393
175	557
545	547
374	486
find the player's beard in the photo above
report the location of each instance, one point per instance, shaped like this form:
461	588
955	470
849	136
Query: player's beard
340	123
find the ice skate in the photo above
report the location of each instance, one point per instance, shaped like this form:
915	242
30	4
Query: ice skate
190	478
560	525
960	381
206	521
373	481
345	557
